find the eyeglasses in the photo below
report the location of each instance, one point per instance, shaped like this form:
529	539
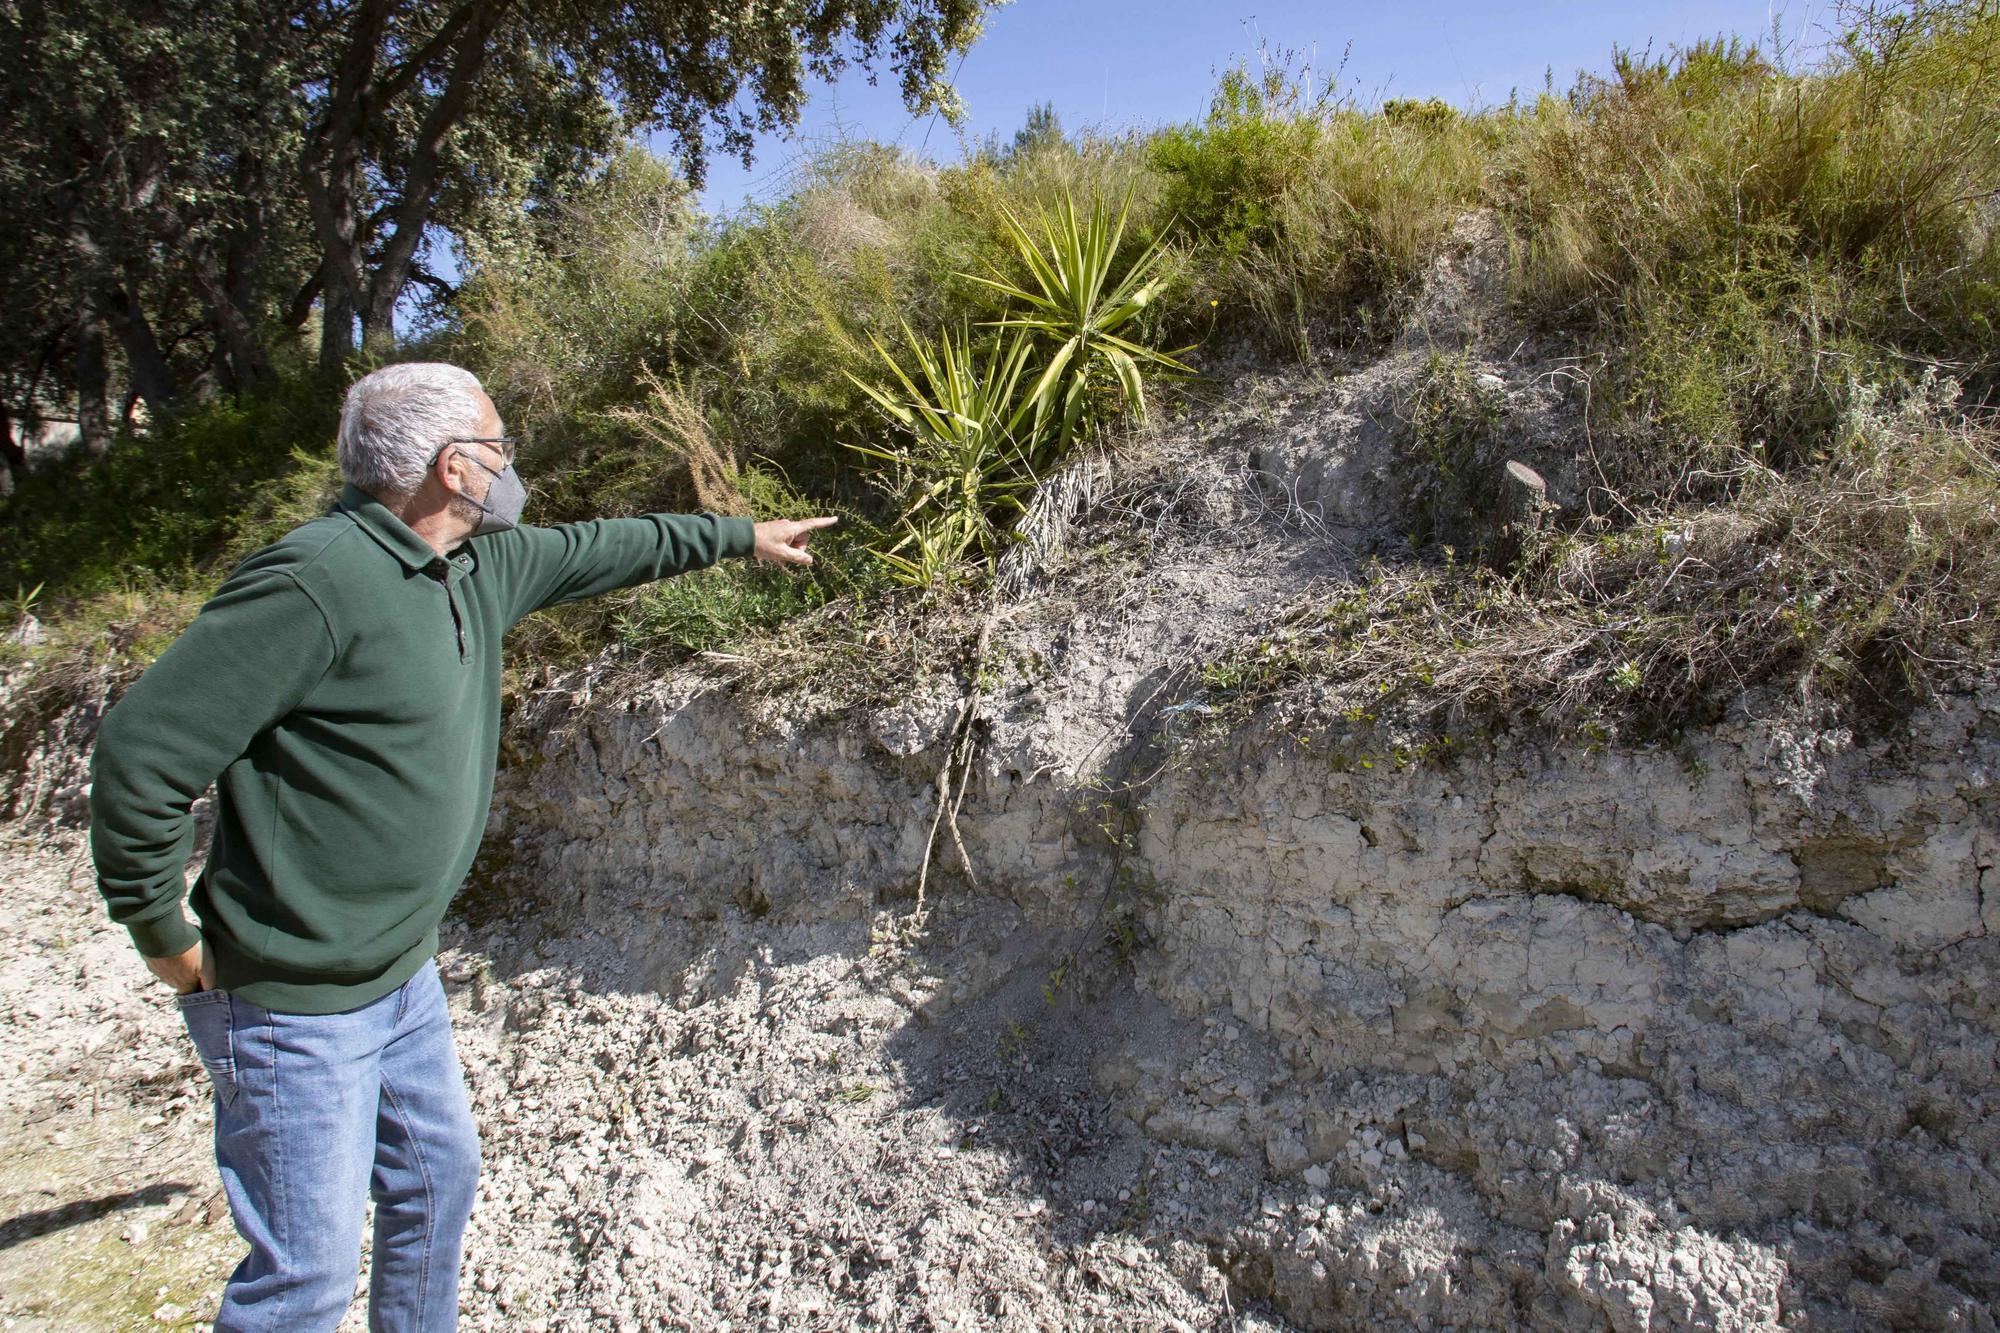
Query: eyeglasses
506	444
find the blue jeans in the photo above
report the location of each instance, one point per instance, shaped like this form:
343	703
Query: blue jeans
313	1114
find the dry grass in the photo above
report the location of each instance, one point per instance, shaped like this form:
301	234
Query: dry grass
1857	591
1373	202
678	433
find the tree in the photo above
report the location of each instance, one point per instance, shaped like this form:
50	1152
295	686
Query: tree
547	90
136	150
182	181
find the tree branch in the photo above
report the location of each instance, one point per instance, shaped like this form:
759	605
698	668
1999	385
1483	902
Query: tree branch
430	281
421	179
394	83
332	151
300	309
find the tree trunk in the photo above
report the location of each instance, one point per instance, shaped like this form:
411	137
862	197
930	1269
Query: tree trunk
145	363
1524	503
93	383
378	338
330	170
332	162
420	179
336	332
244	361
14	452
242	260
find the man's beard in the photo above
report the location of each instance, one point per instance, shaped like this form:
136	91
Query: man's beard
462	508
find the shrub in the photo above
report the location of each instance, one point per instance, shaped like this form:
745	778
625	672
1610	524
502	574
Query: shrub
1428	115
1746	245
1080	296
1312	216
1357	229
1226	175
982	431
172	497
1449	415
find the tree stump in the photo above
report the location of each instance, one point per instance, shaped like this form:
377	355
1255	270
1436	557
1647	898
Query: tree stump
1524	502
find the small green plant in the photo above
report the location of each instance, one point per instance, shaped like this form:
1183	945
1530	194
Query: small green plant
1140	1206
1450	414
1011	1042
22	604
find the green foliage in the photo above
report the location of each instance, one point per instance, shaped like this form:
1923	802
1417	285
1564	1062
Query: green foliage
148	196
220	166
979	435
1739	256
21	605
1746	245
1428	115
1079	300
1450	415
960	474
1310	216
175	501
723	608
565	320
1226	175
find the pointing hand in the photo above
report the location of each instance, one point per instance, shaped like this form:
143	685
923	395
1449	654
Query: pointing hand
782	541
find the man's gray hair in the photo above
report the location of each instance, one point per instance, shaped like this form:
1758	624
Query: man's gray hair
397	417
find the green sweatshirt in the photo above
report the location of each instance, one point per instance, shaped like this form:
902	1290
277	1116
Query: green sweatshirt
342	692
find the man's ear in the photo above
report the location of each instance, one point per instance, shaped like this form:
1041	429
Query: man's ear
445	465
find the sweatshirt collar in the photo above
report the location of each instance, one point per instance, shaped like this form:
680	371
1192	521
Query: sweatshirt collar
395	537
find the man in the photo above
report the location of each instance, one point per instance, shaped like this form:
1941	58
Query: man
342	692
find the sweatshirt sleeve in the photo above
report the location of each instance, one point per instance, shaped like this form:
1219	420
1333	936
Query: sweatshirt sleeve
546	566
255	650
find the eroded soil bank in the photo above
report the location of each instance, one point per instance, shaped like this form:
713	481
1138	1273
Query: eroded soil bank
755	1128
1552	1037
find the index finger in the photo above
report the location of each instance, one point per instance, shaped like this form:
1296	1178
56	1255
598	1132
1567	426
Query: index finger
823	521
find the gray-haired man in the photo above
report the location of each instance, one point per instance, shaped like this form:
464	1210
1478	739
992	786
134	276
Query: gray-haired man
342	692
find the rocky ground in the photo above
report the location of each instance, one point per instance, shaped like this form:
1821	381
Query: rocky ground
773	1130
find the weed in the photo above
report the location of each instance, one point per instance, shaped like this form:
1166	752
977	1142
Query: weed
1011	1042
1450	416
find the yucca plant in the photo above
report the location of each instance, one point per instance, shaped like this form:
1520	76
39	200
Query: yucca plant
1075	300
968	454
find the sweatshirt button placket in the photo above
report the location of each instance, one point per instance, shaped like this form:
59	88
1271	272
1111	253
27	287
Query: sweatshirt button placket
440	573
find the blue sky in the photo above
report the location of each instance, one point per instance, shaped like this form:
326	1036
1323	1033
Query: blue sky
1120	64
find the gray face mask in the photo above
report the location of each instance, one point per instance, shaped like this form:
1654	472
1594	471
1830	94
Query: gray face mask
504	500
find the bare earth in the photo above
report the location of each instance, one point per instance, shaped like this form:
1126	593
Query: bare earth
793	1134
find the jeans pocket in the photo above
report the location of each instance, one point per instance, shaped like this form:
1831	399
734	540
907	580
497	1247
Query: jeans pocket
212	1028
